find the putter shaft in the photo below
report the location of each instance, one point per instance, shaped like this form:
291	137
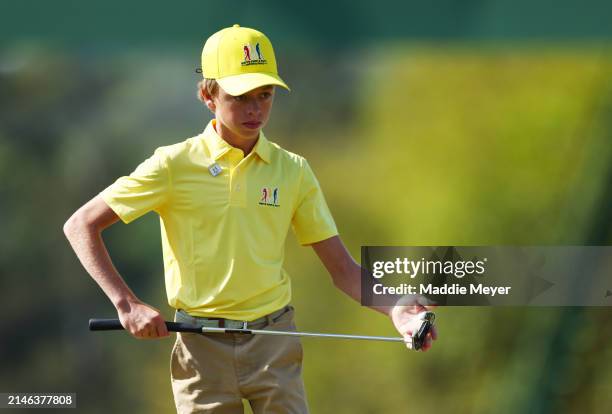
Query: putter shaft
296	333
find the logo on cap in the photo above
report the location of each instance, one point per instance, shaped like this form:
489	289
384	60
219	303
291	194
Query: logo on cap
250	59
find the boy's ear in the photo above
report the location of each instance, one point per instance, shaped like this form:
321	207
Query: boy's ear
207	99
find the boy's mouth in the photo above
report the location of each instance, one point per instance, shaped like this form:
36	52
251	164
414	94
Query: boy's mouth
252	124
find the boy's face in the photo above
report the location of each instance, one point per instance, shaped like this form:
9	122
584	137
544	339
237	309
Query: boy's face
242	117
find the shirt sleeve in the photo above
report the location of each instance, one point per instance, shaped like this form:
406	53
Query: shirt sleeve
312	221
146	188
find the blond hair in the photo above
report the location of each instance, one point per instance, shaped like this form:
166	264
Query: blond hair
209	85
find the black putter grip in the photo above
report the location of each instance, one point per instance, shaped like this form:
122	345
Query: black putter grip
115	325
105	325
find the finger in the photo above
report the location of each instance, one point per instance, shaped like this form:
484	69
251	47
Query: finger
416	309
408	342
428	342
162	330
425	346
406	330
135	332
434	332
148	331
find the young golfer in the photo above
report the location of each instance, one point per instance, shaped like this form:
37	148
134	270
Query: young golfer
226	199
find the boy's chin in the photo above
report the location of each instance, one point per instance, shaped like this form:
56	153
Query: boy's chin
251	133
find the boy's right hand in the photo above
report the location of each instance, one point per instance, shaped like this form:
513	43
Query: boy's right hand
142	320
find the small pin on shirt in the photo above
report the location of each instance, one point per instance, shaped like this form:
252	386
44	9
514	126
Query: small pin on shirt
215	169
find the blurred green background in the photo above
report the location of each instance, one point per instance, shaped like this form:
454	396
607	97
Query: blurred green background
446	123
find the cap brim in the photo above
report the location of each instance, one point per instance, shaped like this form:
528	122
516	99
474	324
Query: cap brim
241	84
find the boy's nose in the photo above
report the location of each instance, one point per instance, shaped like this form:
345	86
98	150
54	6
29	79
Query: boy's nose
253	107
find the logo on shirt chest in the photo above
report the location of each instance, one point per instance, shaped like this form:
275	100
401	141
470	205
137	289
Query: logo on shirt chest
269	196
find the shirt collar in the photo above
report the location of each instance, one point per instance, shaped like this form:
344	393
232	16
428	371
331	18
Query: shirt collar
218	146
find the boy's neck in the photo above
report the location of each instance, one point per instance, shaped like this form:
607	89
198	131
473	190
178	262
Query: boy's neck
244	144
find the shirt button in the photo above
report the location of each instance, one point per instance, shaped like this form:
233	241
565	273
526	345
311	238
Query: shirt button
238	187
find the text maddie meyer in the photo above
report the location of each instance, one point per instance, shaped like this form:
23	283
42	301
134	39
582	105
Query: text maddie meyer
453	289
428	267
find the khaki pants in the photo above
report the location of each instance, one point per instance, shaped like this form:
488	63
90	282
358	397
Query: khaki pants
211	373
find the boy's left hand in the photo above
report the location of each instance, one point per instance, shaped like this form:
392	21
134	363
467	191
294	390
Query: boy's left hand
406	319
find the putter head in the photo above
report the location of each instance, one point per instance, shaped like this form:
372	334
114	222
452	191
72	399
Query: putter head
427	321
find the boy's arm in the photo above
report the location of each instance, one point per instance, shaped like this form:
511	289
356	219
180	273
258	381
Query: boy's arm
84	232
346	275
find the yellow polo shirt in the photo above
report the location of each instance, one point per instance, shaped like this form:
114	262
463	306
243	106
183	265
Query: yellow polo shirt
224	219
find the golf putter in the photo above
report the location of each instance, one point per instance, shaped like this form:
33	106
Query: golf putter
418	337
427	322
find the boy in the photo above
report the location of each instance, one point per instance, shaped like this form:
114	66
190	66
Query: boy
226	199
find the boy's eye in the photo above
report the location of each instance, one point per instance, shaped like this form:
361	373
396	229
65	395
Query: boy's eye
266	95
239	98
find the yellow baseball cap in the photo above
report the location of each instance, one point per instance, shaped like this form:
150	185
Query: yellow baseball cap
240	59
